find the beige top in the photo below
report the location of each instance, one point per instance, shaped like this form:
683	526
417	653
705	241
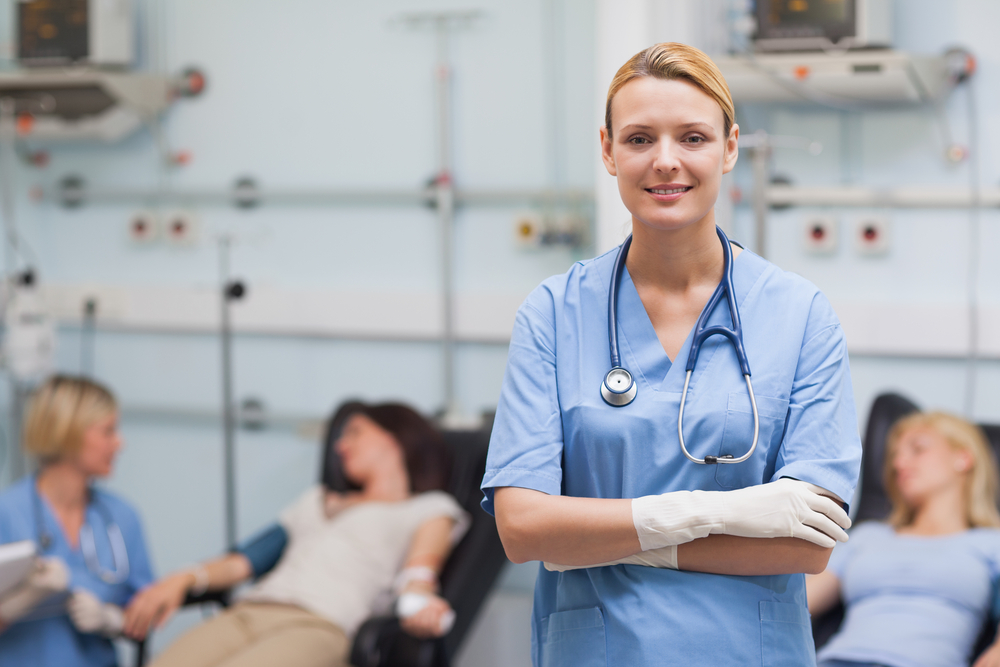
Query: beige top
337	568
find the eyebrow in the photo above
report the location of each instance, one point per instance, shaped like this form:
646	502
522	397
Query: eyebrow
639	126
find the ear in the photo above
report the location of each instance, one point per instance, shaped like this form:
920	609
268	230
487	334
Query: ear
963	461
607	152
732	149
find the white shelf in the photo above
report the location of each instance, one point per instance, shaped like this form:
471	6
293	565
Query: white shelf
851	78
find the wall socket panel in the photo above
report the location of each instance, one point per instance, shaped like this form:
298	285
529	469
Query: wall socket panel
820	234
180	228
143	228
872	235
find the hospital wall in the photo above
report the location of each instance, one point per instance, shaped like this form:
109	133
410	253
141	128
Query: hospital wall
314	94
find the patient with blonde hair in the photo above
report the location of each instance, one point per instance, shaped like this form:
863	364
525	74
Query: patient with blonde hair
919	587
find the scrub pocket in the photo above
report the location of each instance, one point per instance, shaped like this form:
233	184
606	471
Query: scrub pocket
575	639
786	636
737	436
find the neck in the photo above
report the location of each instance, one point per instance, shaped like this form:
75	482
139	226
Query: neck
389	486
676	259
63	485
941	514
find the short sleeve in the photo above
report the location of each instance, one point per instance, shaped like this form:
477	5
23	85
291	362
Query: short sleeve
436	504
845	551
821	444
527	440
304	511
140	570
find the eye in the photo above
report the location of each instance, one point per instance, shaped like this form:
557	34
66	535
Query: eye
695	139
638	141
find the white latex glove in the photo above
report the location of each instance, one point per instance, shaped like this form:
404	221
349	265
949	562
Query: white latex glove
665	557
48	577
785	508
90	616
409	604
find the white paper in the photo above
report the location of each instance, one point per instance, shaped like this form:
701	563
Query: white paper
16	561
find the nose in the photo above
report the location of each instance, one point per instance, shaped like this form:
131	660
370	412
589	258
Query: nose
667	157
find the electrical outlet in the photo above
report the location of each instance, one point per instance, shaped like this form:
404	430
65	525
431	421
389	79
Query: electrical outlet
143	228
528	230
820	235
871	235
181	228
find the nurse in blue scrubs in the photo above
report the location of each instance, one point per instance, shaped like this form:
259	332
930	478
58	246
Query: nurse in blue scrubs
92	554
652	558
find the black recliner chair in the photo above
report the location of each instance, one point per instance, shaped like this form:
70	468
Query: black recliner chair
467	578
873	503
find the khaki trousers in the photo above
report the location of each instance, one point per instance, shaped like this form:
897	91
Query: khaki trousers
251	634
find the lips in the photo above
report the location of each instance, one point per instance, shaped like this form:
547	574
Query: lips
669	191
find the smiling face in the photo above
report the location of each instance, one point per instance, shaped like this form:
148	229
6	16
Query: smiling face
668	150
366	448
98	447
925	463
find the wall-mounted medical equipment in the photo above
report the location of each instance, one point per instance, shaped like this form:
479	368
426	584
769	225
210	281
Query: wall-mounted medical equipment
69	104
29	340
99	33
800	25
842	80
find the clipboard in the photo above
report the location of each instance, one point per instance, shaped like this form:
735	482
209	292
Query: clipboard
16	561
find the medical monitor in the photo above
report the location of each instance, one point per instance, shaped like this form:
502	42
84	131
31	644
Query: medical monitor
807	25
70	32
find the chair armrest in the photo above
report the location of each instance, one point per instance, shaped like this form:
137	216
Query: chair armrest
381	642
221	597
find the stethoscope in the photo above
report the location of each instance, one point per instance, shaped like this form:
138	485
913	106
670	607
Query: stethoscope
619	388
119	554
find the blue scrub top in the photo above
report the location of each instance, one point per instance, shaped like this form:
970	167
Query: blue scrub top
54	641
554	433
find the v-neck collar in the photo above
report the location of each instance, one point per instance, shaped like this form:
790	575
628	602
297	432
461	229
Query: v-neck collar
640	342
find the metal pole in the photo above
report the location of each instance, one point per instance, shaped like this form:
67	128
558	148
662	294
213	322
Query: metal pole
759	155
445	199
228	420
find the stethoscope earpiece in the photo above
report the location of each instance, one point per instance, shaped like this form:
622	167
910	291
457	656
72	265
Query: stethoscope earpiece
619	388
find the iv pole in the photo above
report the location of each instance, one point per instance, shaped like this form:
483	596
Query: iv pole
230	290
443	24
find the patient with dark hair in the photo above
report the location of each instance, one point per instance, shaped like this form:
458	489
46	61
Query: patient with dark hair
333	558
919	588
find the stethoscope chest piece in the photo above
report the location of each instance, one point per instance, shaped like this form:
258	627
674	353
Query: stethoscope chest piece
618	388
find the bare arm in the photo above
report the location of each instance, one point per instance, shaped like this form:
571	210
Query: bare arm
746	556
822	592
584	531
429	549
154	605
562	529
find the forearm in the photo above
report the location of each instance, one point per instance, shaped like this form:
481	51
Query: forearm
218	574
745	556
562	529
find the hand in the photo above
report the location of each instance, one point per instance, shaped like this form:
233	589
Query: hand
90	616
154	605
48	577
989	658
424	615
785	508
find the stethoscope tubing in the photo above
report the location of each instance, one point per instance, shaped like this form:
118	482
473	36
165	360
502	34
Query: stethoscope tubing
613	389
119	552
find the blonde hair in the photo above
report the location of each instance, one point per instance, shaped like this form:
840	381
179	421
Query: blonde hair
671	60
980	484
59	413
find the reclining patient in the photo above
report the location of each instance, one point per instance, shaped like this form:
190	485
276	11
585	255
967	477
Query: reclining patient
918	589
339	554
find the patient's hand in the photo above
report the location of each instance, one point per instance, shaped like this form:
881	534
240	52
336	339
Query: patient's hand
154	605
426	623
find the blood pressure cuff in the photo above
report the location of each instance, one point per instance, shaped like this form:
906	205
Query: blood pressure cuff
264	549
